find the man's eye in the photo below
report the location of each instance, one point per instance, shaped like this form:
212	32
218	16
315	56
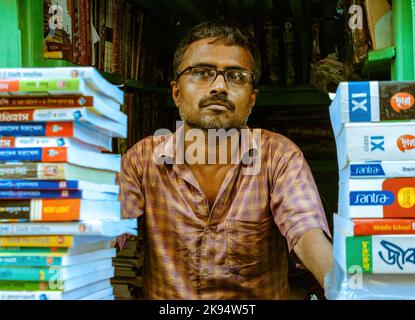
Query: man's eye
202	73
235	76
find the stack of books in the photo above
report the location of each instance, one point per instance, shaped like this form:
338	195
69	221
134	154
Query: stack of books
374	231
59	206
128	283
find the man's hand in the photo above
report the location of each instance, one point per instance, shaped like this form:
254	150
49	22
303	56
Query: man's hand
315	251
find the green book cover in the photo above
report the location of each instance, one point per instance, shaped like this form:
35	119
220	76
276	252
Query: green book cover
359	253
29	261
29	273
27	286
40	85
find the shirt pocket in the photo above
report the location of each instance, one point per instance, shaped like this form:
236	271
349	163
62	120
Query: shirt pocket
248	245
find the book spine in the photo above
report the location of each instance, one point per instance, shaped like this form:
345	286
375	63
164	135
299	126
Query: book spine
36	241
37	129
75	32
63	114
46	102
84	33
39	85
32	142
14	211
48	194
364	227
33	251
58	154
27	274
27	286
38	185
22	296
29	261
55	171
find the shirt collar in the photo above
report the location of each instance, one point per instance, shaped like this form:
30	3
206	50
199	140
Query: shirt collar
166	152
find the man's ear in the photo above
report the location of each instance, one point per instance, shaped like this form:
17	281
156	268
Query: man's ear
175	92
253	97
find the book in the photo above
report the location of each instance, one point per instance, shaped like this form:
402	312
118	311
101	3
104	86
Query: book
393	141
57	194
64	286
378	169
92	78
367	227
52	273
56	295
45	261
55	241
52	185
340	285
79	114
55	171
373	253
52	246
372	101
105	294
377	198
75	129
379	20
58	29
104	228
95	144
94	104
74	153
56	210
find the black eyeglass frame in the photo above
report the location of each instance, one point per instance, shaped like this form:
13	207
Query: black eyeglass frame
218	73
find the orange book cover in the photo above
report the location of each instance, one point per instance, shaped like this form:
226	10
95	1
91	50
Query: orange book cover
366	227
61	209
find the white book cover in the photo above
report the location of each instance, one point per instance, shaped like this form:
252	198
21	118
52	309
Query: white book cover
99	295
378	169
393	141
377	198
105	228
85	279
91	76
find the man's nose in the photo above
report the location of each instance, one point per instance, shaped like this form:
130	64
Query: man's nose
219	85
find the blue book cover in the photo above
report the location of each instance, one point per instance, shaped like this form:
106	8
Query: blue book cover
46	194
38	184
29	261
21	129
27	274
21	154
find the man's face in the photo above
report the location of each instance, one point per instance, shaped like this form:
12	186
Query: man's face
218	104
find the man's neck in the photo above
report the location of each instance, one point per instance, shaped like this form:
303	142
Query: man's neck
212	148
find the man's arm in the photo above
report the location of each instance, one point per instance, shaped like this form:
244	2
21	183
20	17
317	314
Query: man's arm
315	252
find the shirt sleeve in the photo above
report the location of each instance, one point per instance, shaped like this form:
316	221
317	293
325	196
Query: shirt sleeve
295	200
131	192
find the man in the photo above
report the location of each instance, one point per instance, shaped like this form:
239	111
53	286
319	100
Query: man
214	229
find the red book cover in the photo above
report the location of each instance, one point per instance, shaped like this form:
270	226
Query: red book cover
366	227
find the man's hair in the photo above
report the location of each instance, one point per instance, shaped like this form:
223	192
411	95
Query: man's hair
222	31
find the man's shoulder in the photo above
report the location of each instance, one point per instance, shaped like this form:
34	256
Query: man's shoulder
146	146
277	141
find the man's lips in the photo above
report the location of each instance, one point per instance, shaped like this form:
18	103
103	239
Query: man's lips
217	106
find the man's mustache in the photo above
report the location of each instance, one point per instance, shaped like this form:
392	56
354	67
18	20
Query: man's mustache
219	99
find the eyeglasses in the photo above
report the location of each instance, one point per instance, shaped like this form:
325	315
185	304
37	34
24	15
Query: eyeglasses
209	74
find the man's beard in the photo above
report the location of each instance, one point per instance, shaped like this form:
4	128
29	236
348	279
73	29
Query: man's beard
213	122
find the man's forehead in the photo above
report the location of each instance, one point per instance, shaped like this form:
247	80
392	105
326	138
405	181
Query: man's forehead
215	51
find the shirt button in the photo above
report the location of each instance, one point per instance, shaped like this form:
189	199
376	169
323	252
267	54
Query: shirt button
205	273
